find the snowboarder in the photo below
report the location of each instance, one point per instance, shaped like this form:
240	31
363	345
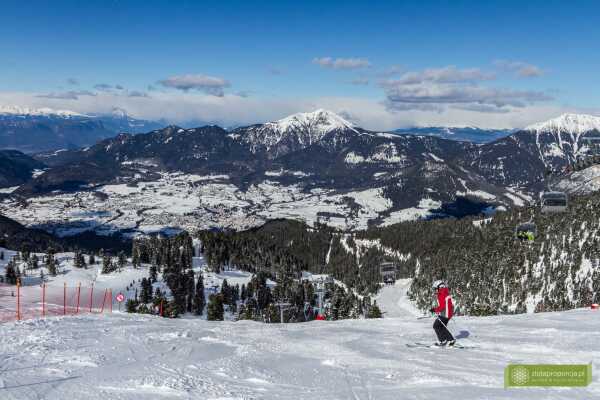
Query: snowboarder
443	311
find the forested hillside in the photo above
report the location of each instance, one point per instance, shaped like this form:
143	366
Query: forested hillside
491	271
292	247
488	268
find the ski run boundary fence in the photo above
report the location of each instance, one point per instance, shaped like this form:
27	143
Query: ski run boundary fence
19	302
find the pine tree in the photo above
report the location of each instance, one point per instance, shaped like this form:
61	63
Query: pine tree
51	264
78	260
250	310
34	262
153	273
135	255
215	310
190	290
158	298
170	310
92	259
146	291
131	305
374	311
243	295
199	299
107	265
10	275
122	261
226	292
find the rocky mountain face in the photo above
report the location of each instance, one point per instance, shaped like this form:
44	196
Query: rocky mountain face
561	141
296	132
329	151
35	130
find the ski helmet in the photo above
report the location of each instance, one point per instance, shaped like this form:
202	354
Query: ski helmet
438	284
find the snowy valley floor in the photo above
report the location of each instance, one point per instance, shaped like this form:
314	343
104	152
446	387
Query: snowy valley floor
123	356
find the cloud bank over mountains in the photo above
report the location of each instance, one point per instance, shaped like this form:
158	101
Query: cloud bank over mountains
441	96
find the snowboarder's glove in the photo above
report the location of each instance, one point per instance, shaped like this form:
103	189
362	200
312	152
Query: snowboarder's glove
432	310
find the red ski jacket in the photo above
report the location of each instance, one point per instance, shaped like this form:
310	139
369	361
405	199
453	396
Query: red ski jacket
445	307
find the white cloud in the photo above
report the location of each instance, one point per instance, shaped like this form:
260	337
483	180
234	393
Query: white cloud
207	84
228	110
448	74
519	68
401	96
342	63
437	89
68	95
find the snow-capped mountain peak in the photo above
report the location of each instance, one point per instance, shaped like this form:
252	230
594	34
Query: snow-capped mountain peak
568	123
295	132
26	111
320	120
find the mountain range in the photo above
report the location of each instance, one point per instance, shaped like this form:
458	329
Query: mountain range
464	134
312	166
34	130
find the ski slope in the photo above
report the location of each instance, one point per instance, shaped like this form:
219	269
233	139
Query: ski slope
394	302
126	356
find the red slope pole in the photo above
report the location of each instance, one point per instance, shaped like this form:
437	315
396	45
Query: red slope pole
78	296
103	301
65	299
111	299
91	295
43	300
18	301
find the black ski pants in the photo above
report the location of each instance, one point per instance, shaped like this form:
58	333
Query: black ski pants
439	326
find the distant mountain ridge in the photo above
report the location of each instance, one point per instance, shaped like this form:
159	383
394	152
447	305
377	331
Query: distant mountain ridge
312	166
328	147
34	130
466	134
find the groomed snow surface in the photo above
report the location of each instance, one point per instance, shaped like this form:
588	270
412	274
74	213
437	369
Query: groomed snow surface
129	356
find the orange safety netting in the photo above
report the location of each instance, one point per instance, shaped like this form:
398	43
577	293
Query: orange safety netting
35	301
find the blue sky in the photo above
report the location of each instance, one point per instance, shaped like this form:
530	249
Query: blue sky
382	65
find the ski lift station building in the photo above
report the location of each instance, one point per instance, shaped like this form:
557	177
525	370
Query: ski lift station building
324	279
